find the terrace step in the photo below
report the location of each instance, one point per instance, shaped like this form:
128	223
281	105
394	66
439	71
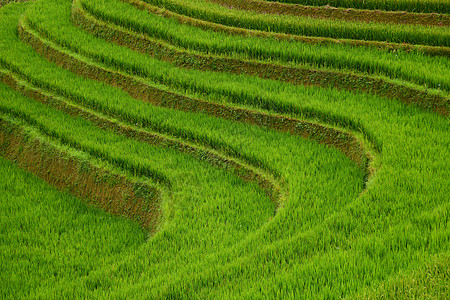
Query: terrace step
296	75
329	12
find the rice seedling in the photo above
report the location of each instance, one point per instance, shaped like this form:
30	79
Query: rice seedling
50	237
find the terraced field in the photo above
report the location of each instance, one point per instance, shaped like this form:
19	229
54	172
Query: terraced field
225	149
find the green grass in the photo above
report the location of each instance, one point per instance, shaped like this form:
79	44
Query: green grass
230	90
298	74
99	97
221	237
4	2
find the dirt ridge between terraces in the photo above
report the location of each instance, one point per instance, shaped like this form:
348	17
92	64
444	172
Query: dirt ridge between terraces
349	145
111	192
346	14
206	25
6	2
272	188
293	75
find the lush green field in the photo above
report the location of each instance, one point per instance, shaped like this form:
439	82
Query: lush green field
182	149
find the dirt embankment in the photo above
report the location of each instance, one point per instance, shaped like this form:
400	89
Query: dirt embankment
111	192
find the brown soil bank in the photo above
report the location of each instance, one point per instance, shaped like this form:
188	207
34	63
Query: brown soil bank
294	75
329	12
112	192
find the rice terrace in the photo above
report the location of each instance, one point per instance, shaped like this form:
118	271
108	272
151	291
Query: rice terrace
225	149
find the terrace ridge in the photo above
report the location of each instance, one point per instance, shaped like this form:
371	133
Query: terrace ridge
338	13
267	182
294	75
235	29
97	186
140	90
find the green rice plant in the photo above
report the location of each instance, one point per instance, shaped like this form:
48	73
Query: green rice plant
294	75
26	63
107	146
4	2
123	111
282	109
36	111
144	61
430	281
95	182
265	180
